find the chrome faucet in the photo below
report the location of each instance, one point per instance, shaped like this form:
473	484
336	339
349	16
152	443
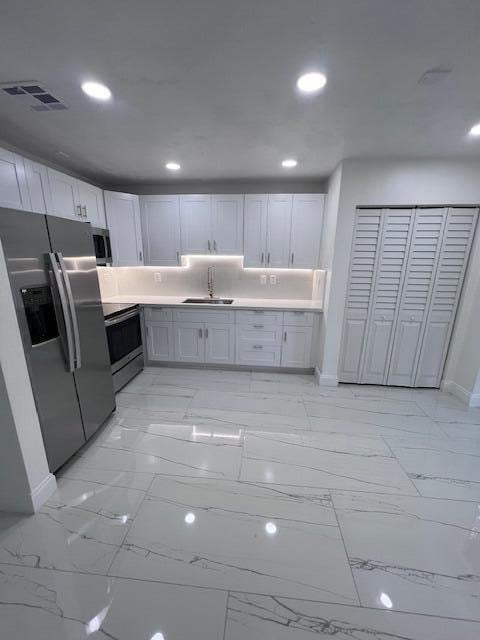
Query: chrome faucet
210	281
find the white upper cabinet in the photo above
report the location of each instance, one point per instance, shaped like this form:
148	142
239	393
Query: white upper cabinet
90	200
306	230
196	224
279	217
161	230
227	224
38	187
123	217
13	183
255	230
64	191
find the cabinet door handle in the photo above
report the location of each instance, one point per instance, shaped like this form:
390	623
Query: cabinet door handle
78	209
209	246
268	258
258	326
140	255
258	346
200	334
84	208
293	255
206	334
263	257
285	336
215	246
178	257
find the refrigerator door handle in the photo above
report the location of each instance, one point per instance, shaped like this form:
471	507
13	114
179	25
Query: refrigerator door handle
73	311
65	312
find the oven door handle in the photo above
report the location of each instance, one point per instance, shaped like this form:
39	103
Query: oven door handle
70	357
125	316
73	311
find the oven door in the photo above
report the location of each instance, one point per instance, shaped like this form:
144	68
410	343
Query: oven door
124	337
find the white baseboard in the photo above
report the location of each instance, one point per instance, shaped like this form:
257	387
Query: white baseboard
470	399
326	379
43	491
28	502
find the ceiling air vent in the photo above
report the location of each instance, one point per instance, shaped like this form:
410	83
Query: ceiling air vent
32	95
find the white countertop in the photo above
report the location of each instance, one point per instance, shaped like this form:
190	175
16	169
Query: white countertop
238	303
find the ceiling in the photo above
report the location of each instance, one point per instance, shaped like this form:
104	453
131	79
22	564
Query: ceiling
211	84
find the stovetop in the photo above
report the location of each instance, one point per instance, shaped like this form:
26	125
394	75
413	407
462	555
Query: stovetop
111	309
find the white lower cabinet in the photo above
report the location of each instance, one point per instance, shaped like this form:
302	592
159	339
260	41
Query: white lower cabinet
160	341
223	337
204	342
189	341
219	343
297	347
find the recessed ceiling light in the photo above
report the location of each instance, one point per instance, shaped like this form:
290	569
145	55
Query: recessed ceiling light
288	163
172	166
311	82
475	130
96	90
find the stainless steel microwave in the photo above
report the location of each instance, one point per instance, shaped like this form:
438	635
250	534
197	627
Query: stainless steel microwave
103	249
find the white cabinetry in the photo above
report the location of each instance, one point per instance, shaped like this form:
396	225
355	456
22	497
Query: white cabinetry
195	223
283	230
211	224
306	230
123	217
204	336
13	183
255	230
297	339
279	219
160	217
227	224
38	187
64	191
160	341
90	200
252	338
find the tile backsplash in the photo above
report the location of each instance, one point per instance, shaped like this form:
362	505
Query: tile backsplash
230	279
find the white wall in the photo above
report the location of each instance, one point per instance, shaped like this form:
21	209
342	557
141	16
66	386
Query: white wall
231	279
326	263
403	182
25	480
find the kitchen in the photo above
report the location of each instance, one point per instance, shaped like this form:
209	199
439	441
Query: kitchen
222	351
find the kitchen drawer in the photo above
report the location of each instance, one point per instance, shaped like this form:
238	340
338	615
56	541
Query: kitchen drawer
298	318
261	317
204	315
158	314
261	355
259	333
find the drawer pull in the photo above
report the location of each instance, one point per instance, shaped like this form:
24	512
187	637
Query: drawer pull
285	336
258	326
259	312
299	313
258	346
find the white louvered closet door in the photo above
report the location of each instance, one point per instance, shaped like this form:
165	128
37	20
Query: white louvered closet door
366	236
417	291
390	272
457	240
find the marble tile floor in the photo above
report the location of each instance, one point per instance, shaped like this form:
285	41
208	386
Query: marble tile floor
220	505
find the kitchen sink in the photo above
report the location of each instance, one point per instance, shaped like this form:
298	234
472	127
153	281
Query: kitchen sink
208	301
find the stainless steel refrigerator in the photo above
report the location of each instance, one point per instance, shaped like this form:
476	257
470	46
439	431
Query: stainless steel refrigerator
53	276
